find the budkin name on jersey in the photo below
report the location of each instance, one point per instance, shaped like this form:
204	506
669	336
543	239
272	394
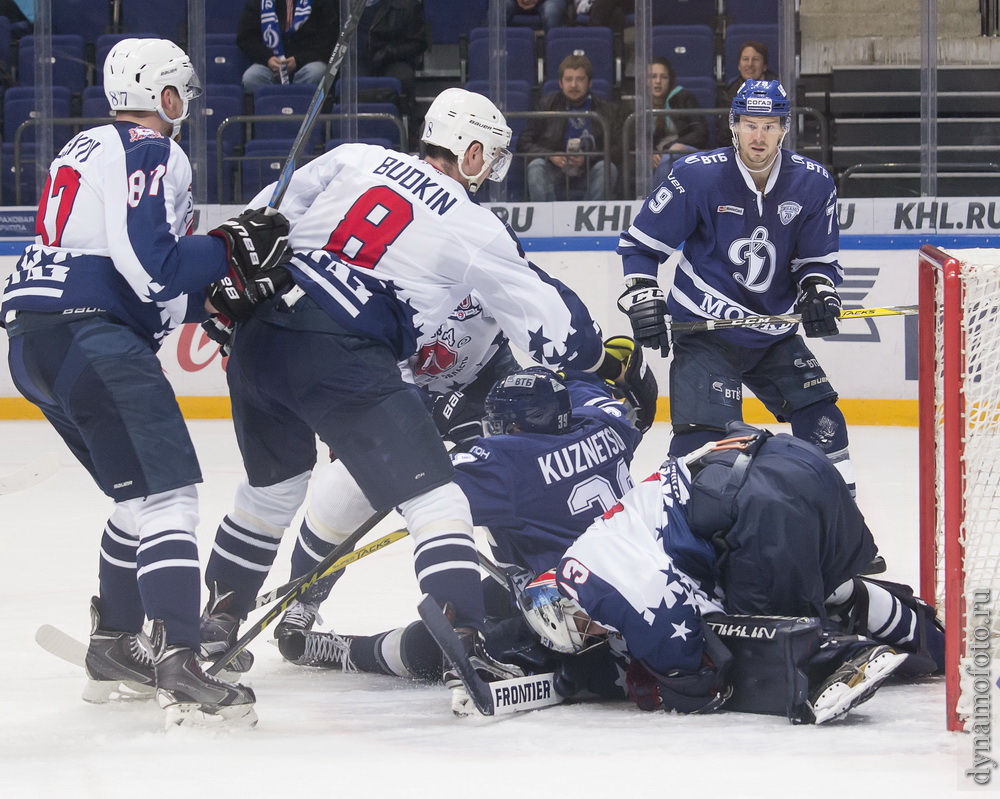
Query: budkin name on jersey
580	456
417	183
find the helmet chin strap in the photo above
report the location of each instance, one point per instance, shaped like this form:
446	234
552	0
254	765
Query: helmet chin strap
475	181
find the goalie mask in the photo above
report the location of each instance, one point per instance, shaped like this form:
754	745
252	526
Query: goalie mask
559	621
456	119
137	71
532	401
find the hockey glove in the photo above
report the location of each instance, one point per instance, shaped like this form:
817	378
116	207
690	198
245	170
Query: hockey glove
819	305
237	300
643	301
456	420
220	329
637	385
699	692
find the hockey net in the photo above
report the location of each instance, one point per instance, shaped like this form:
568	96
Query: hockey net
960	466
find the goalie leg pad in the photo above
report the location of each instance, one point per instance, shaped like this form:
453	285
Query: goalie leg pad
770	660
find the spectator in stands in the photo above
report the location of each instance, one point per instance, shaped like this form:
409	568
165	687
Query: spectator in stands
673	137
752	66
21	14
552	12
558	174
288	41
392	38
607	13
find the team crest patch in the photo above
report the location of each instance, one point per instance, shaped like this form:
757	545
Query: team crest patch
730	209
788	211
136	134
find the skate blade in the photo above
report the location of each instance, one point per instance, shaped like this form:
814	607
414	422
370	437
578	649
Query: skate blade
100	692
230	717
841	697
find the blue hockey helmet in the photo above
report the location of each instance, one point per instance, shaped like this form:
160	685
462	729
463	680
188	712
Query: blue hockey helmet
557	620
760	98
534	399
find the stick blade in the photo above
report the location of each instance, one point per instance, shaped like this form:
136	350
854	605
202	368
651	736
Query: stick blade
37	471
56	642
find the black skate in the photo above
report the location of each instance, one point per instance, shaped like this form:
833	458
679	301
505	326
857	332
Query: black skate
485	665
321	650
118	664
219	631
300	617
853	683
190	696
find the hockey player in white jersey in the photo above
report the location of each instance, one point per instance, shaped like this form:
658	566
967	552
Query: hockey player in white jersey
756	226
112	270
384	244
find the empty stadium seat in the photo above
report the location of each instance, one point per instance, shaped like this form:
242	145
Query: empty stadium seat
690	48
522	58
69	66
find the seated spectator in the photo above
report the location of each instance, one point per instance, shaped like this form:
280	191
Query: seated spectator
392	38
673	137
552	12
568	175
752	66
287	40
607	13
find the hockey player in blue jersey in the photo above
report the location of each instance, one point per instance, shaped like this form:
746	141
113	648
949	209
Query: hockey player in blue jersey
111	272
384	243
756	230
755	525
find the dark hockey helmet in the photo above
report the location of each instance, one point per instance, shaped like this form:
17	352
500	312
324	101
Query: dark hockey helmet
534	399
760	98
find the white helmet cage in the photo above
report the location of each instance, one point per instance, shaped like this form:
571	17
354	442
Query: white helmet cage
559	621
456	119
137	71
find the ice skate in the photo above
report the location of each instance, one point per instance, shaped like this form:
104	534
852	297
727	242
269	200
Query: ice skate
485	665
299	618
219	631
118	665
321	650
191	697
853	683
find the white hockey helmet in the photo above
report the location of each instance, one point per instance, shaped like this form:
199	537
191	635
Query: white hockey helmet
456	119
137	71
558	620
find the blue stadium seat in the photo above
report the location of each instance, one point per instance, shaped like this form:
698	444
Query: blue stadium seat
213	195
684	12
595	43
690	48
752	12
371	128
224	63
86	18
69	68
168	20
5	38
219	103
222	16
19	104
103	46
450	19
264	159
292	101
736	35
94	103
522	58
9	182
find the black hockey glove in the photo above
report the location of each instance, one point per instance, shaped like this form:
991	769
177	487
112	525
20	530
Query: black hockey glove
220	329
256	243
456	420
699	692
819	304
646	307
637	385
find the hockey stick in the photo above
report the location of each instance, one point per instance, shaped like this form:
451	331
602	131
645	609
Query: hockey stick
56	642
37	471
494	698
327	566
319	98
347	560
789	318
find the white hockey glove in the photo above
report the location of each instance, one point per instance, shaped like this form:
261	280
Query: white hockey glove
646	307
819	305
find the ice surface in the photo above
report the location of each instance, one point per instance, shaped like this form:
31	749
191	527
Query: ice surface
335	735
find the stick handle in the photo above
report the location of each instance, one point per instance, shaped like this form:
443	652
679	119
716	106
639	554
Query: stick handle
789	319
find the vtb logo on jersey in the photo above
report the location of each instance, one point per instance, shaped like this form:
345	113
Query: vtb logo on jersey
757	255
788	211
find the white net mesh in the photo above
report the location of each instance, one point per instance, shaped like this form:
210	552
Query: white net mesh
978	370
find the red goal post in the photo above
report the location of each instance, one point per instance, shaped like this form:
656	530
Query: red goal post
959	399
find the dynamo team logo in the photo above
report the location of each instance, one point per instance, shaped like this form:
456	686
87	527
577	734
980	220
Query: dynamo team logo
788	211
